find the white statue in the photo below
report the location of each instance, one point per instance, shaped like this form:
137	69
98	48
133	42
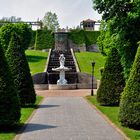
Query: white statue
62	60
61	69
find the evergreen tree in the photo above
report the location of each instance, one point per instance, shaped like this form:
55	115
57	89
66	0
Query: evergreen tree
130	101
20	70
9	100
112	81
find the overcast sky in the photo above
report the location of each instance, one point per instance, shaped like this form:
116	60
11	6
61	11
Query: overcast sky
69	12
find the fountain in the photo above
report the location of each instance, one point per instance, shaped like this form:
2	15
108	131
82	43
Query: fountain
61	69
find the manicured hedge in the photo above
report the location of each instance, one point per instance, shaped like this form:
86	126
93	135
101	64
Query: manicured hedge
91	37
77	36
112	81
32	42
20	71
23	30
84	37
130	101
9	100
44	39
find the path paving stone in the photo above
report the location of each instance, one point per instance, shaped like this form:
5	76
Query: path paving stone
68	118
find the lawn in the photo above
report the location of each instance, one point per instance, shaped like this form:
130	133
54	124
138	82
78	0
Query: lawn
112	114
37	60
25	114
86	58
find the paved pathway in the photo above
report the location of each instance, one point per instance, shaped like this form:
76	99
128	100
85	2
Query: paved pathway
65	93
68	118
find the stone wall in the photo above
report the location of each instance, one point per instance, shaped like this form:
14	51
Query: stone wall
83	47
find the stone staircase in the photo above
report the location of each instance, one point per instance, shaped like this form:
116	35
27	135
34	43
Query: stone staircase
53	76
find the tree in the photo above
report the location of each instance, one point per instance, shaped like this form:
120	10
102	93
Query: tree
112	81
11	19
124	18
50	21
20	70
130	101
9	101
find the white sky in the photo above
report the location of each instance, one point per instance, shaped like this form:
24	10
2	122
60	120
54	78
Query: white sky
70	12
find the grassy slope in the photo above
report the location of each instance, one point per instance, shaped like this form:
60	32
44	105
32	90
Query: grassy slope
37	60
86	58
112	114
25	114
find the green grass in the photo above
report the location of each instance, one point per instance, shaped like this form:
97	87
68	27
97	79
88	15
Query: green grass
37	60
112	114
25	114
86	58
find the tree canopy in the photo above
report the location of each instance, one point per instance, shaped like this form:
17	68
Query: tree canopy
50	21
122	27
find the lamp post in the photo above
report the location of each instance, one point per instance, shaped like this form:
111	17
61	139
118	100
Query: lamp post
93	64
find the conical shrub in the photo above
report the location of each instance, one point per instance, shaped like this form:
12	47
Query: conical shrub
9	100
112	81
20	70
129	114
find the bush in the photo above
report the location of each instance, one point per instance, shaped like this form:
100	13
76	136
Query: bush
130	101
44	39
112	81
32	42
20	70
23	30
9	101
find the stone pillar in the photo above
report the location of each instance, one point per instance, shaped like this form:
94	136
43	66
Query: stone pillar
61	41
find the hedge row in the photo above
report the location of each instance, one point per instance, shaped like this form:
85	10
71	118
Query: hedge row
23	30
84	37
44	39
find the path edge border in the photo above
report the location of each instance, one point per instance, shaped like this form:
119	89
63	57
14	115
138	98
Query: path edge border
107	120
18	134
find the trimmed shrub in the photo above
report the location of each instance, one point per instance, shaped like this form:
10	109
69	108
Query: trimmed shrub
112	81
23	30
44	39
20	70
129	114
32	42
9	100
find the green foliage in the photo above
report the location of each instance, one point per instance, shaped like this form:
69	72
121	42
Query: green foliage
44	39
105	41
23	30
84	37
112	82
111	9
9	101
77	36
50	21
20	71
130	100
32	42
91	37
123	18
